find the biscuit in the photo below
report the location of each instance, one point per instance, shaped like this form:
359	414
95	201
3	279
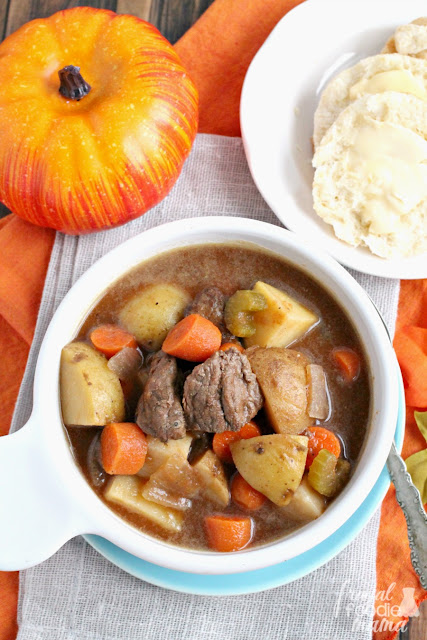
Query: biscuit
362	186
409	39
337	95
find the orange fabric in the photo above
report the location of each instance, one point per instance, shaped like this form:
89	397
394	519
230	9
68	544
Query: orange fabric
217	51
24	257
393	553
411	346
8	602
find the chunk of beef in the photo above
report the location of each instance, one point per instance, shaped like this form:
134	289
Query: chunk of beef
222	393
159	410
210	303
200	443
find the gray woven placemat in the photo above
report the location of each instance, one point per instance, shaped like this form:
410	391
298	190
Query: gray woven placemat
77	594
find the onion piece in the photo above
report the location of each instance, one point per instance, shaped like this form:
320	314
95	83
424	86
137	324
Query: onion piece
174	484
318	397
125	363
94	467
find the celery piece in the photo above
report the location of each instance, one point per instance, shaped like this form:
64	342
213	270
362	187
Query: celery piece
321	474
239	310
328	474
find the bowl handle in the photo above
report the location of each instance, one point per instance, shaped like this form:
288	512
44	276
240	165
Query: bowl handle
34	507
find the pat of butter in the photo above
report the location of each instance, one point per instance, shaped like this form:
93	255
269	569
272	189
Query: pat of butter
397	80
390	164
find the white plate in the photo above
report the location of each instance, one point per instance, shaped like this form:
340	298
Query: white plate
311	44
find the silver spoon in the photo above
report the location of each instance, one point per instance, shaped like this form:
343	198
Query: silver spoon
409	500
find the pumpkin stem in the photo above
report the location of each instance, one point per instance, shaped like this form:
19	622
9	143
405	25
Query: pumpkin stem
72	86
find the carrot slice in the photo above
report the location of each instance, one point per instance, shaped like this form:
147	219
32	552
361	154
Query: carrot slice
227	345
194	338
123	448
348	362
321	438
221	441
244	495
228	533
110	339
249	430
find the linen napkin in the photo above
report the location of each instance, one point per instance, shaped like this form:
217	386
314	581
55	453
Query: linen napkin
217	51
79	595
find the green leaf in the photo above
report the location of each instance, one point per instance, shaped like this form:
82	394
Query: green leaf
417	468
421	420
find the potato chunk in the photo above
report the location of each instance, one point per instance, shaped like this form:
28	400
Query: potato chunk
274	464
214	485
306	503
91	394
159	452
282	322
152	312
126	491
282	376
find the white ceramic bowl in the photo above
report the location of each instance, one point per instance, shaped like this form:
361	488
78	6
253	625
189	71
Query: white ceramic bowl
45	498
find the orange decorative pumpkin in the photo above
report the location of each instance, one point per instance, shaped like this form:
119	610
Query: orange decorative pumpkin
97	116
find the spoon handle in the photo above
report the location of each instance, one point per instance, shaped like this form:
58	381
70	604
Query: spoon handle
409	500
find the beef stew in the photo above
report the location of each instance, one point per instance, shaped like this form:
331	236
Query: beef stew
266	400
